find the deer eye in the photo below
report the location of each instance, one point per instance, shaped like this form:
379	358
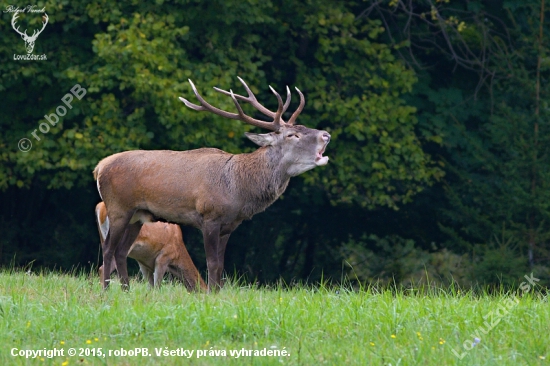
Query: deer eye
293	135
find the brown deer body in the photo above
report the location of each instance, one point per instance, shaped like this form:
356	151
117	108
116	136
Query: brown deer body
207	188
158	248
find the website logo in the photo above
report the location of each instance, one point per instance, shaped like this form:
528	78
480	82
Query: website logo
29	40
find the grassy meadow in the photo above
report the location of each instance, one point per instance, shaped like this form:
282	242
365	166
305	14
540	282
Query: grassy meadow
294	325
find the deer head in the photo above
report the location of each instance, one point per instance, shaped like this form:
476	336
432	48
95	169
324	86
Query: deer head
303	150
29	41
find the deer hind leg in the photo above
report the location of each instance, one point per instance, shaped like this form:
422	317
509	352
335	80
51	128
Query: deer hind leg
118	221
111	242
111	270
121	253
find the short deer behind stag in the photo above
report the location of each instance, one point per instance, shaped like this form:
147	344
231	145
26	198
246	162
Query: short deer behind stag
158	249
207	188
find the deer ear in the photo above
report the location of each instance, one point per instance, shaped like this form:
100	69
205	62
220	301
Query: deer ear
262	139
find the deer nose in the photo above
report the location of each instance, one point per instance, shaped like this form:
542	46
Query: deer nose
326	136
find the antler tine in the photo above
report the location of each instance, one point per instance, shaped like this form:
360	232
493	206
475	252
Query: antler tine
253	101
277	121
205	106
287	102
299	110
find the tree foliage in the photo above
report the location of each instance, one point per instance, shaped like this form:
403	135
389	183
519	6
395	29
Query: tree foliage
137	58
485	92
438	114
134	59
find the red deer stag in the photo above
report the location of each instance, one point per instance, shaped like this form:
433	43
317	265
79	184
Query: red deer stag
207	188
158	248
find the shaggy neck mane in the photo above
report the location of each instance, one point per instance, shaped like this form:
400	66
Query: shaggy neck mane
260	176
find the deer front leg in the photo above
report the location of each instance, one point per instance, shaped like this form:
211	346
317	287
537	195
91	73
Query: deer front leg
147	274
161	265
211	236
221	253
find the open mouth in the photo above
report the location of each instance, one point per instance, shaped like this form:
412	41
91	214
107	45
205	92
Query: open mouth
319	158
320	153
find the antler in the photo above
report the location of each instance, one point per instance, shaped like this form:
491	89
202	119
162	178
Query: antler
299	110
275	125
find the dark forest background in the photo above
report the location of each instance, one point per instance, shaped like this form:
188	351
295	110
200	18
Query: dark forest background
438	110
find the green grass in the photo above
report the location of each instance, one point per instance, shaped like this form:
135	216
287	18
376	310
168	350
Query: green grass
315	325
